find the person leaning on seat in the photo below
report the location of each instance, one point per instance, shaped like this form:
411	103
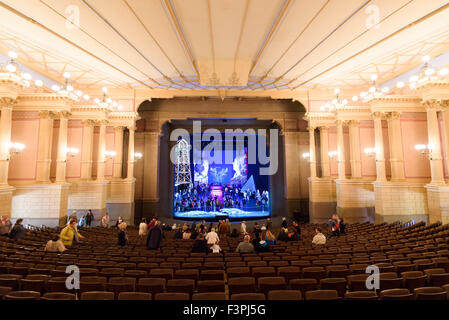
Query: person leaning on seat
70	234
122	237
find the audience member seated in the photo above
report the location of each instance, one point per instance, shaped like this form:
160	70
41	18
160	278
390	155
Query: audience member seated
215	248
18	232
260	245
283	235
234	233
5	226
245	246
200	245
270	238
187	234
105	221
319	238
70	234
55	245
178	234
284	223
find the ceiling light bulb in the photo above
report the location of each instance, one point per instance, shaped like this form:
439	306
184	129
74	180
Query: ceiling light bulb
385	89
322	108
374	77
105	90
345	102
69	88
86	97
425	59
11	68
96	100
334	101
39	83
372	89
109	100
27	76
120	107
443	72
79	93
337	91
355	98
12	55
114	104
400	84
414	78
55	87
363	94
429	71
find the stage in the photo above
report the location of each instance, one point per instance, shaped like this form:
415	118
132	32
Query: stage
231	213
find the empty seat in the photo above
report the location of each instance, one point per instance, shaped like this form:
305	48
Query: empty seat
242	285
172	296
238	272
338	284
134	296
289	273
209	296
357	282
4	291
271	283
317	273
304	285
151	285
97	295
121	284
248	296
430	293
22	295
187	274
181	285
414	279
58	296
284	295
322	295
212	275
396	294
161	273
211	286
361	295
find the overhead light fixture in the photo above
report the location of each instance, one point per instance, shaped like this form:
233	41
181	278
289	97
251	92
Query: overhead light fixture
400	84
66	75
355	98
12	55
27	76
334	103
55	87
38	83
86	97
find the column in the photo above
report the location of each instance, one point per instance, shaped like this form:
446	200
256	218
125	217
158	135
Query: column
86	159
312	154
340	150
436	161
44	146
61	158
379	145
395	139
101	160
324	149
445	114
131	153
118	159
5	137
354	148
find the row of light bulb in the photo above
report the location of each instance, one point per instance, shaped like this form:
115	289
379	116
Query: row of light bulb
10	67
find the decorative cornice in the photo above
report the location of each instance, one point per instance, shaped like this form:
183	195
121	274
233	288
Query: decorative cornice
89	123
45	114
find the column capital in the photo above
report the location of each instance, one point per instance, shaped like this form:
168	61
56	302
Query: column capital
6	102
101	123
340	122
45	114
323	128
131	128
89	123
64	114
311	128
433	104
119	128
353	122
377	115
393	115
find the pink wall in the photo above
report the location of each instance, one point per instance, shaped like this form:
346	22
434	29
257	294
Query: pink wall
110	146
25	129
414	131
74	140
368	164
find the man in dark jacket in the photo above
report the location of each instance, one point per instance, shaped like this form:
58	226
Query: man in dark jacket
155	235
89	218
284	223
18	232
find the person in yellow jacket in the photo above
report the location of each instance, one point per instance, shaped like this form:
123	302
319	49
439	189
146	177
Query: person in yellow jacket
70	233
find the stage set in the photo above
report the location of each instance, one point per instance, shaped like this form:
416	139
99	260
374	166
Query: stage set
224	184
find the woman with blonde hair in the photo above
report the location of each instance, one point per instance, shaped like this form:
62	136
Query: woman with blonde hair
270	238
122	237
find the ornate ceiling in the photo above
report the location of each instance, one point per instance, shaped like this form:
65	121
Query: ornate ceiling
234	44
